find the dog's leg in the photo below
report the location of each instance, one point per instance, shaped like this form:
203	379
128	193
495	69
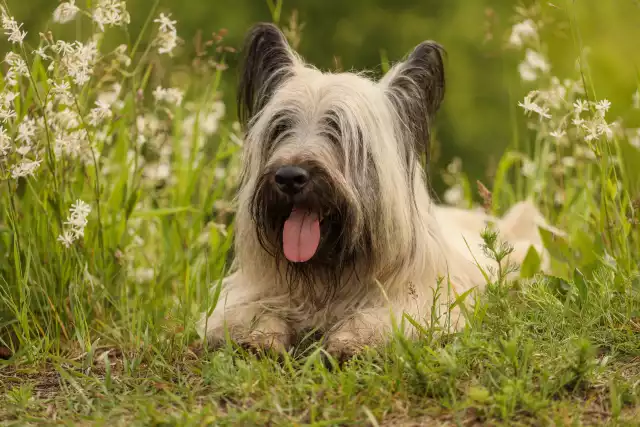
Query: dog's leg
375	326
363	328
248	314
368	328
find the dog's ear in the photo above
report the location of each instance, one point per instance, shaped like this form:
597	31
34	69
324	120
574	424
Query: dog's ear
415	87
267	62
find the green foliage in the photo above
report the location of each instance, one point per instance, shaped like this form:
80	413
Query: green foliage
116	241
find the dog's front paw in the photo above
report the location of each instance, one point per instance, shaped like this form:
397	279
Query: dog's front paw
343	345
270	335
265	342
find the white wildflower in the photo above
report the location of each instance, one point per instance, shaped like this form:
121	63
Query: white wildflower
521	32
220	173
27	131
605	129
76	222
100	113
25	168
527	73
167	38
12	29
6	114
455	166
454	195
579	106
5	142
578	122
61	93
67	119
171	95
67	238
62	47
73	144
569	162
111	13
528	168
102	135
558	134
584	152
634	138
6	108
208	120
41	52
574	87
77	219
121	55
593	131
65	12
603	106
24	149
17	64
77	59
533	62
530	106
554	96
142	274
537	61
17	68
157	171
609	259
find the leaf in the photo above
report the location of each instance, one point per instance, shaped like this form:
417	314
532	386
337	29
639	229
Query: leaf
588	248
500	187
131	203
558	286
21	188
275	9
581	285
479	394
531	264
556	245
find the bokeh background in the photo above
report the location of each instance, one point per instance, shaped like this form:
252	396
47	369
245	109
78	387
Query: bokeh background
479	117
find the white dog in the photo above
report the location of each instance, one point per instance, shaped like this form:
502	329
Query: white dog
335	228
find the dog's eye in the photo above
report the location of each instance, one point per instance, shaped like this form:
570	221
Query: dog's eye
280	127
331	129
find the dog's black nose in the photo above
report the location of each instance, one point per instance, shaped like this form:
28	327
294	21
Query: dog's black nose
291	179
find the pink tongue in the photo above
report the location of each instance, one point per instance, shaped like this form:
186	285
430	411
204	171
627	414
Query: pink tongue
301	235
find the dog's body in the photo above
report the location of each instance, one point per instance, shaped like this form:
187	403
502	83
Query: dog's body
335	228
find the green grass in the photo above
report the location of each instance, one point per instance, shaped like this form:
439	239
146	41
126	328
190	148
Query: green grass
103	333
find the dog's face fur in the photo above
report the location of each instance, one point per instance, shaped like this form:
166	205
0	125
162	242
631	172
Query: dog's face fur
333	160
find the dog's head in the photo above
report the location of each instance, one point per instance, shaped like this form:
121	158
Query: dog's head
332	161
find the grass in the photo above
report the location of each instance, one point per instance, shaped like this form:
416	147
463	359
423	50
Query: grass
102	332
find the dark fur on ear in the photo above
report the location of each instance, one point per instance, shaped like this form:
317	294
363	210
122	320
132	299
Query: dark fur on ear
416	89
266	64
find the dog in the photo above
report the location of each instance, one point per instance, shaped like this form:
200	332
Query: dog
335	226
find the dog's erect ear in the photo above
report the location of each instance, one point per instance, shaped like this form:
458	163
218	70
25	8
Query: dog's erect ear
416	89
268	61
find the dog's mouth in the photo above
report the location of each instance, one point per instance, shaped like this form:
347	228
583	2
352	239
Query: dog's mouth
301	234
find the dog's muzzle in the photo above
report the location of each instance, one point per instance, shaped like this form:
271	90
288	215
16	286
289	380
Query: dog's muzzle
301	231
291	180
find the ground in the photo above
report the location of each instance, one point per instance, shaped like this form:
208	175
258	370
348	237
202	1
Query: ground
528	357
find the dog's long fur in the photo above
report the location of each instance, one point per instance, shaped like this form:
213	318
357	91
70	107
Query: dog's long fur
385	246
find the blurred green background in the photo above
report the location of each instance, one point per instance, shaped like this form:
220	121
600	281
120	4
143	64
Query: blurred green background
479	117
